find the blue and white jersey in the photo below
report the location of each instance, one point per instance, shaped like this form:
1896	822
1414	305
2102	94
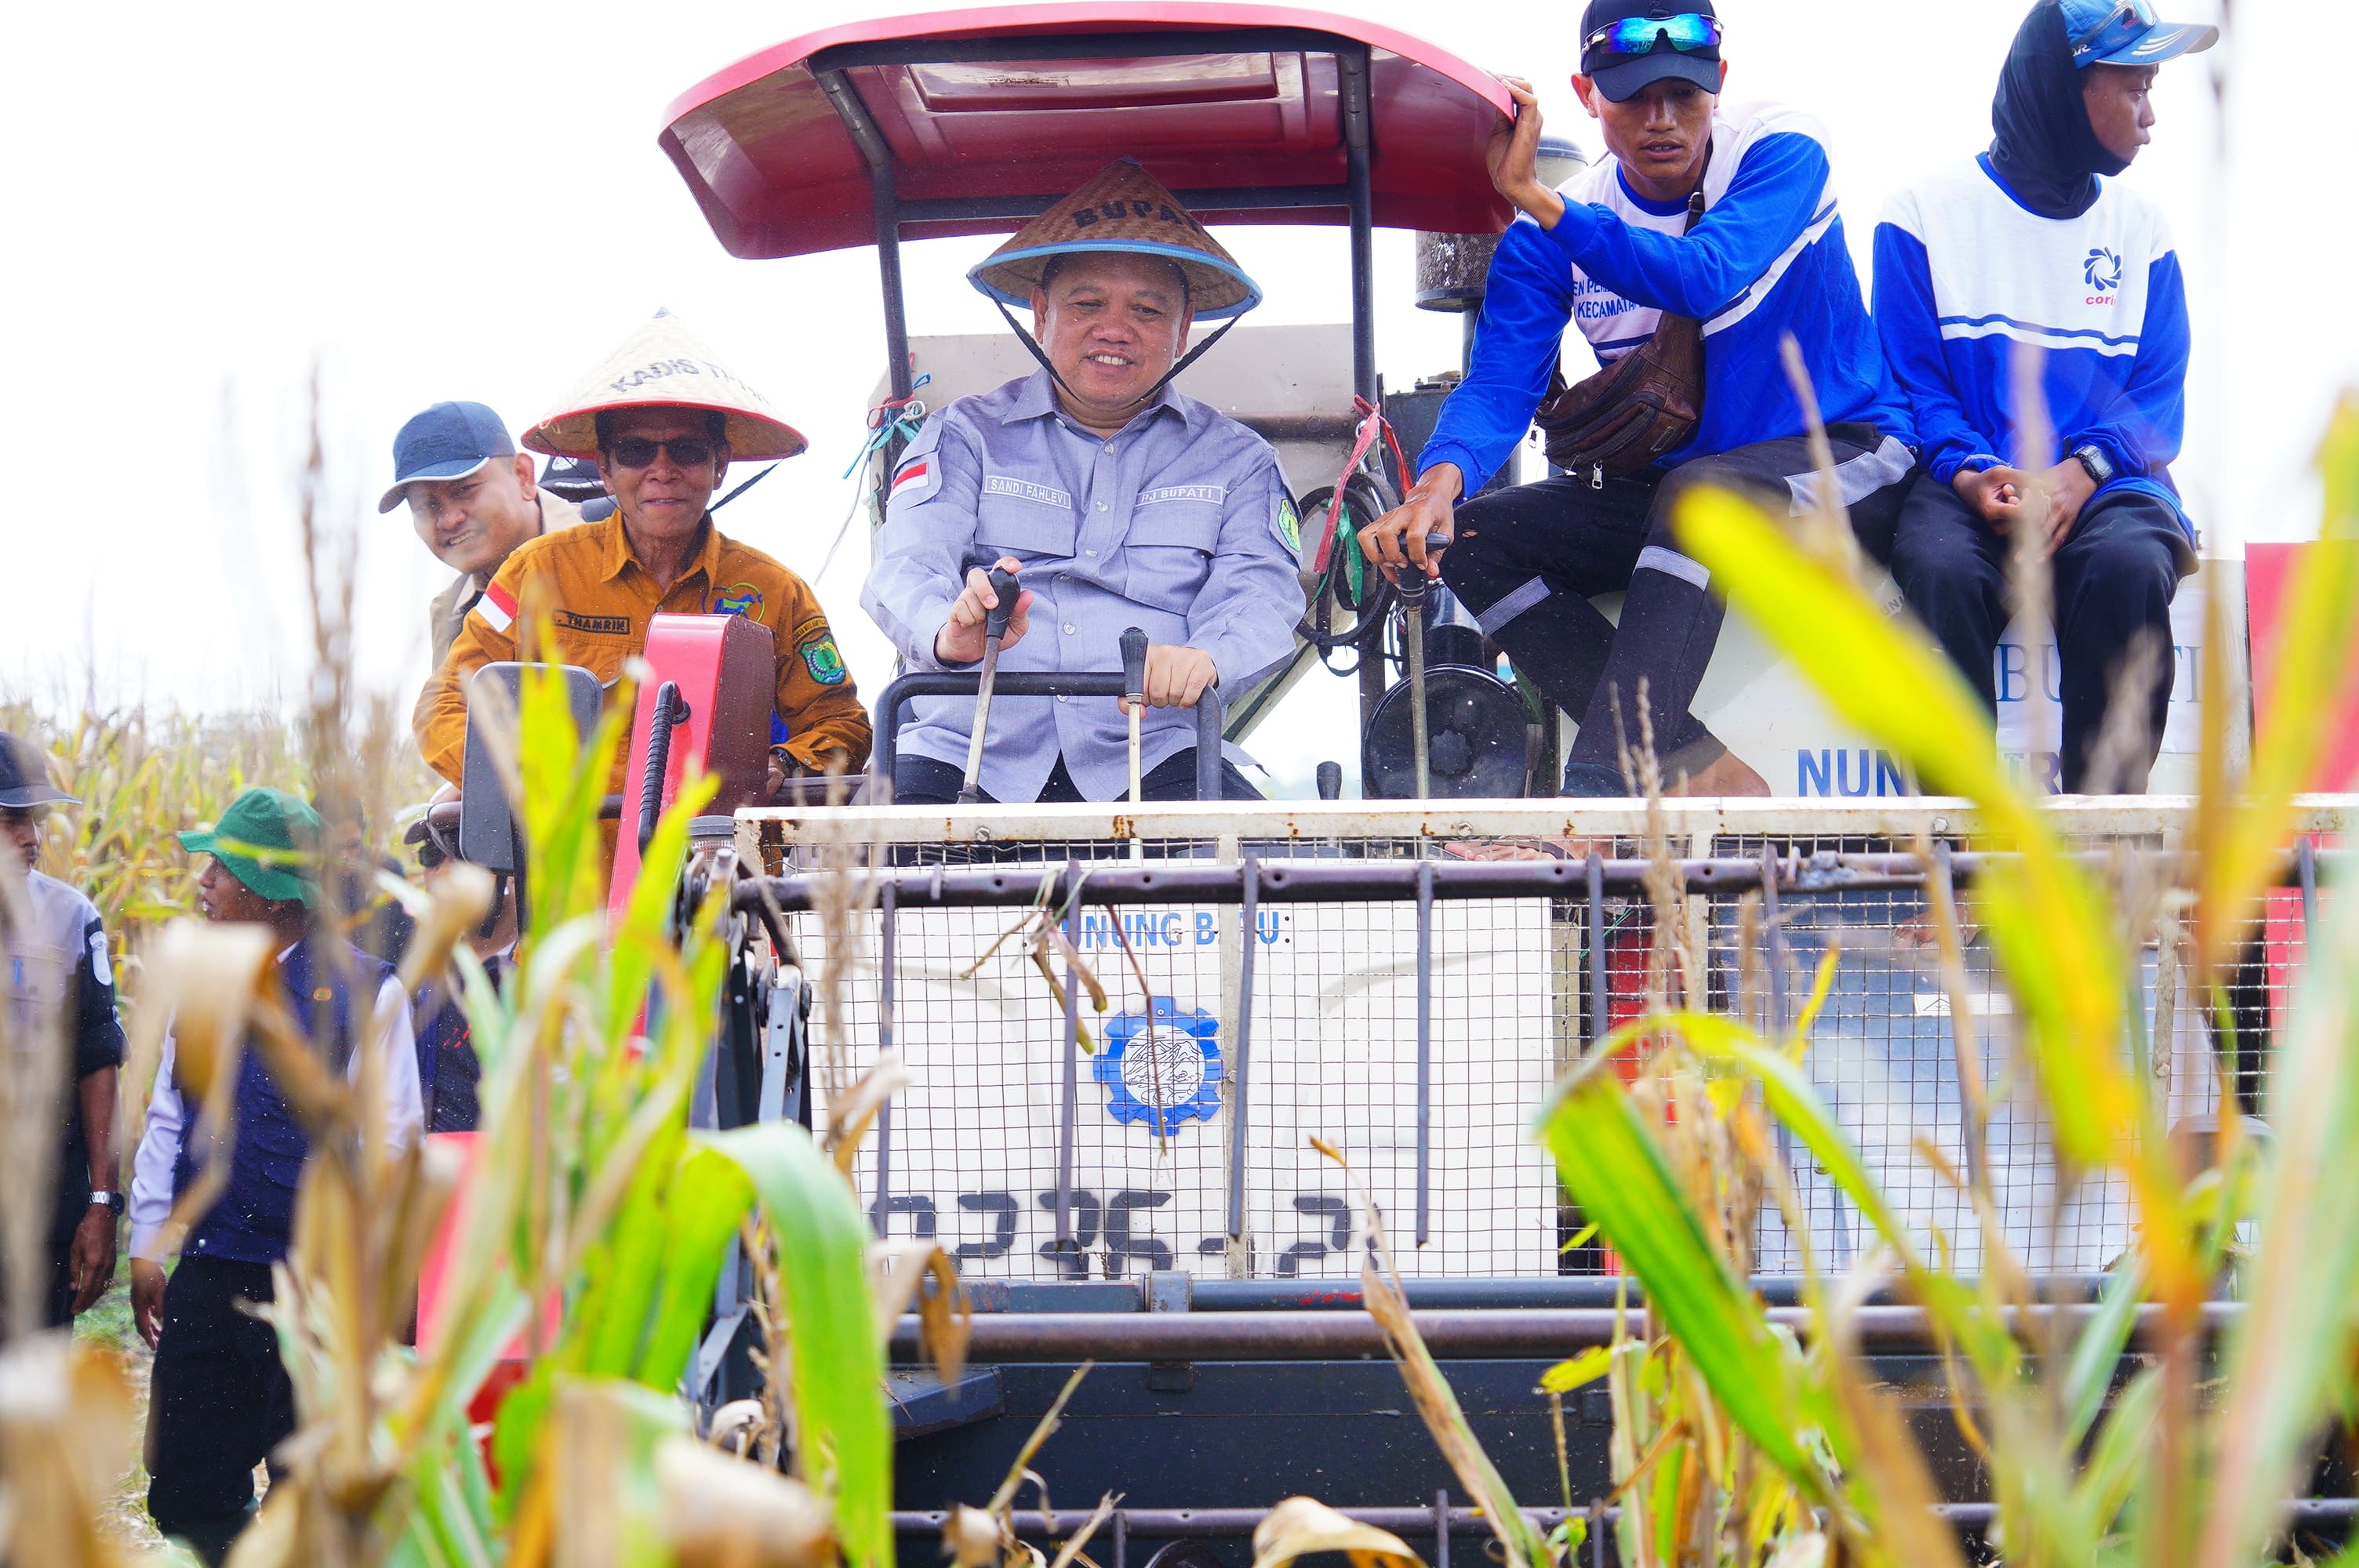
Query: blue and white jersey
1766	259
1964	272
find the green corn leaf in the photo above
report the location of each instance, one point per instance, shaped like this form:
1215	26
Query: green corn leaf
1579	1372
1612	1167
845	1443
647	918
2289	1354
709	1197
2088	1371
2047	920
2123	1448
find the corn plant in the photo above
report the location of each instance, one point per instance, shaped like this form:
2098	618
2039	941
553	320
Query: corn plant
2160	1472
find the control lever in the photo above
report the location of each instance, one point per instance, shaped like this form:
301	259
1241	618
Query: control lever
1413	586
994	626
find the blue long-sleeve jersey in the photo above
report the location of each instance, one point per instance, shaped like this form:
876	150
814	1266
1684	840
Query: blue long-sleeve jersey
1766	259
1964	272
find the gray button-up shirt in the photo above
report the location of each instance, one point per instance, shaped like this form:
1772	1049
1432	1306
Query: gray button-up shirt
1182	525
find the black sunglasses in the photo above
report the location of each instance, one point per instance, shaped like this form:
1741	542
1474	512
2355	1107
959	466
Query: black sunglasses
635	452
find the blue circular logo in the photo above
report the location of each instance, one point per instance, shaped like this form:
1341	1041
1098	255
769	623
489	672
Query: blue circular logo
1161	1066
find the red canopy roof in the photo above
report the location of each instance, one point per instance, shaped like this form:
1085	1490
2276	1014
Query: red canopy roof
778	174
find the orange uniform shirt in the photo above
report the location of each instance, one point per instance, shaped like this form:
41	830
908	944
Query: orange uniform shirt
598	600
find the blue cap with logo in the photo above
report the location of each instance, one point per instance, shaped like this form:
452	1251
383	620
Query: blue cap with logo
448	441
1627	46
2127	32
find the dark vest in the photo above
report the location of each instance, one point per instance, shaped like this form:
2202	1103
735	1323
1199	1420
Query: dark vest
254	1218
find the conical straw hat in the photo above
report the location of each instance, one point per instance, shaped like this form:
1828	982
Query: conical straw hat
664	365
1124	209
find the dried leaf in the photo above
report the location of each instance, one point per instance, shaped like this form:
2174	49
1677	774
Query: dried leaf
1301	1526
970	1537
898	1272
65	1438
1080	1538
849	1117
724	1512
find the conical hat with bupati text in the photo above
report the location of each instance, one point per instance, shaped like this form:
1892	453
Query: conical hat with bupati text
664	365
1123	209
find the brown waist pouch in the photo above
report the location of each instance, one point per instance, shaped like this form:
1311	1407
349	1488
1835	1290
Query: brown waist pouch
1629	414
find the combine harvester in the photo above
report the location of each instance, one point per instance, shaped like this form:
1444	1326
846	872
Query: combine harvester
1140	1189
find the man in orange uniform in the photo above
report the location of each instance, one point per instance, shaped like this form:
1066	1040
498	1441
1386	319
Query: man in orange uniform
663	419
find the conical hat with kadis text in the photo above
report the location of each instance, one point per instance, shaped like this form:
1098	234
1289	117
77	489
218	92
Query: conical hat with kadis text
664	365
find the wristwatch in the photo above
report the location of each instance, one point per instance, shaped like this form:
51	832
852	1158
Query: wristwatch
2094	462
111	1202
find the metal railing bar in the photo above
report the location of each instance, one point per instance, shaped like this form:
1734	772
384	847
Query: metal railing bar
1600	1008
1285	881
2306	872
888	899
1476	1334
1249	884
1486	1291
1071	1087
1899	817
1210	713
1025	48
1413	1522
1424	1051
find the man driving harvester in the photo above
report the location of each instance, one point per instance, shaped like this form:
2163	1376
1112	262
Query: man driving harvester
663	418
1110	501
1686	256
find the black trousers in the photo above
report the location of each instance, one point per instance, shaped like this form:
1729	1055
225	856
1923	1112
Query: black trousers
924	781
219	1404
2114	577
1528	559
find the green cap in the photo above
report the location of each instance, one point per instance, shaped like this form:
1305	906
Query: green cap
270	840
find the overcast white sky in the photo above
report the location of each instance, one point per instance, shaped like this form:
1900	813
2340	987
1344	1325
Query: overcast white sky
448	200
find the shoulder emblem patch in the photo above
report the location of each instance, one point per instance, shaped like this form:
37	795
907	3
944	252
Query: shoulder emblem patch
497	607
824	660
737	599
1285	523
918	479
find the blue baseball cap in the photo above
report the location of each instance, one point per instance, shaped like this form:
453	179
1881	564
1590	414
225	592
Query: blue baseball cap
1627	46
2127	32
448	441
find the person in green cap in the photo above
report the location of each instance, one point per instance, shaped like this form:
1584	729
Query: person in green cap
220	1401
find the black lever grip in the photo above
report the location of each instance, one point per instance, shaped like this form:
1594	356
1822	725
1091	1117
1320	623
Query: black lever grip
1133	663
1330	780
1004	589
1413	582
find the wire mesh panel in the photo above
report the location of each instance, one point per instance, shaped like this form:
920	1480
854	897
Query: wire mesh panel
1036	1154
1134	1121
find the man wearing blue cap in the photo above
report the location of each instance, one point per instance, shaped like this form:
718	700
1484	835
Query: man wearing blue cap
472	501
1119	500
2033	242
1696	215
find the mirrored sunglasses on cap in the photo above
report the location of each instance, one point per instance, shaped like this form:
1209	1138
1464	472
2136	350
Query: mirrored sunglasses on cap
1640	34
2130	21
637	452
